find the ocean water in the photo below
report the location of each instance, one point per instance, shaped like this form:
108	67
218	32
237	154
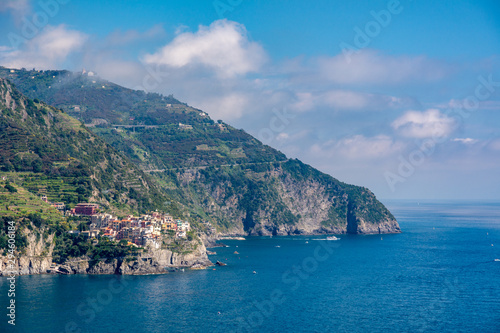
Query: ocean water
439	275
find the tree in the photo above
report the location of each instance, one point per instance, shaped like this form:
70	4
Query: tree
10	188
82	227
37	166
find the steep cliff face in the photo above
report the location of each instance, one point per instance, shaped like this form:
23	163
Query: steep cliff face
38	258
152	261
215	172
285	199
158	260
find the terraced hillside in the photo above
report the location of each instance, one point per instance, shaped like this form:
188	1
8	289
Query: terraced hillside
52	153
218	173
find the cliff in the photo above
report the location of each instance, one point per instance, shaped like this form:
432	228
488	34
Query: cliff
152	261
38	257
207	171
286	198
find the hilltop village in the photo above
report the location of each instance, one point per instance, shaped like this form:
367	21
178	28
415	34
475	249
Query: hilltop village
138	230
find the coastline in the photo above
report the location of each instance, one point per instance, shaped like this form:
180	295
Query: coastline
151	261
155	261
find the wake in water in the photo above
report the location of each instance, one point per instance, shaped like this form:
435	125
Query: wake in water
327	239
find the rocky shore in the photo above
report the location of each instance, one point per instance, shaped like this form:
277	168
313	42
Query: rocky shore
358	227
38	260
38	256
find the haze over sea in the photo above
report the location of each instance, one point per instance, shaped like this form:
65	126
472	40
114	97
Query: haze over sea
439	275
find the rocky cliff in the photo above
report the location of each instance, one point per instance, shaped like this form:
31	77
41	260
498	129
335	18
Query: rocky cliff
285	199
152	261
206	170
37	259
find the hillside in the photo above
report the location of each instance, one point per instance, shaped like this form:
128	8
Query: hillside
216	172
51	153
44	151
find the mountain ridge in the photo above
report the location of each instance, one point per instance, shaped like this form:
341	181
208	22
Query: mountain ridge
219	174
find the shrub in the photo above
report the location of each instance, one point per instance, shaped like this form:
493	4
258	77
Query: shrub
10	188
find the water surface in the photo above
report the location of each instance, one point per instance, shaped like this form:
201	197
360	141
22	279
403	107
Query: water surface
439	275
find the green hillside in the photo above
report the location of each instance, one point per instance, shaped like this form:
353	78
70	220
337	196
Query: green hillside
54	154
216	172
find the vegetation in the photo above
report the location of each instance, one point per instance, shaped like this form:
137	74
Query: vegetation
10	188
20	239
180	245
69	246
194	166
52	153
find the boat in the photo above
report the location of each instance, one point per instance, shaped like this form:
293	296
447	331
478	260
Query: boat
254	272
497	259
277	246
332	238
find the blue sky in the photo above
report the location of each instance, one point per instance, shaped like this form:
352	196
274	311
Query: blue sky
412	112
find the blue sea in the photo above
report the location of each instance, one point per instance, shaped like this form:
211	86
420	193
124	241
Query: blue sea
439	275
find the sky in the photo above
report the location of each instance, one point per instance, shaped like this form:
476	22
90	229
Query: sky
402	97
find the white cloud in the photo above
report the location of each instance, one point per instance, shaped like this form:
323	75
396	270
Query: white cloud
48	50
464	104
339	99
223	46
366	67
467	141
369	66
430	123
358	147
227	107
283	136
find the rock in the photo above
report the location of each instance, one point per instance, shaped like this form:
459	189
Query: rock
37	258
151	261
314	203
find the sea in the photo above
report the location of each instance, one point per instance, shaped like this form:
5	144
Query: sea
441	274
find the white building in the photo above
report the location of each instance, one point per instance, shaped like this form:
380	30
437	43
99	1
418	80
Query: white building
98	221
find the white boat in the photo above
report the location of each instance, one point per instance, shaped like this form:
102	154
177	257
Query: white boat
332	238
497	259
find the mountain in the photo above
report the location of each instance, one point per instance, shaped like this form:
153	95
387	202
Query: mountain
215	172
44	151
49	152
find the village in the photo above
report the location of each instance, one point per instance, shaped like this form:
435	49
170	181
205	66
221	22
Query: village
137	230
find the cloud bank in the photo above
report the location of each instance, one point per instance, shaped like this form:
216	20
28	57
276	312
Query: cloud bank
48	50
223	46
